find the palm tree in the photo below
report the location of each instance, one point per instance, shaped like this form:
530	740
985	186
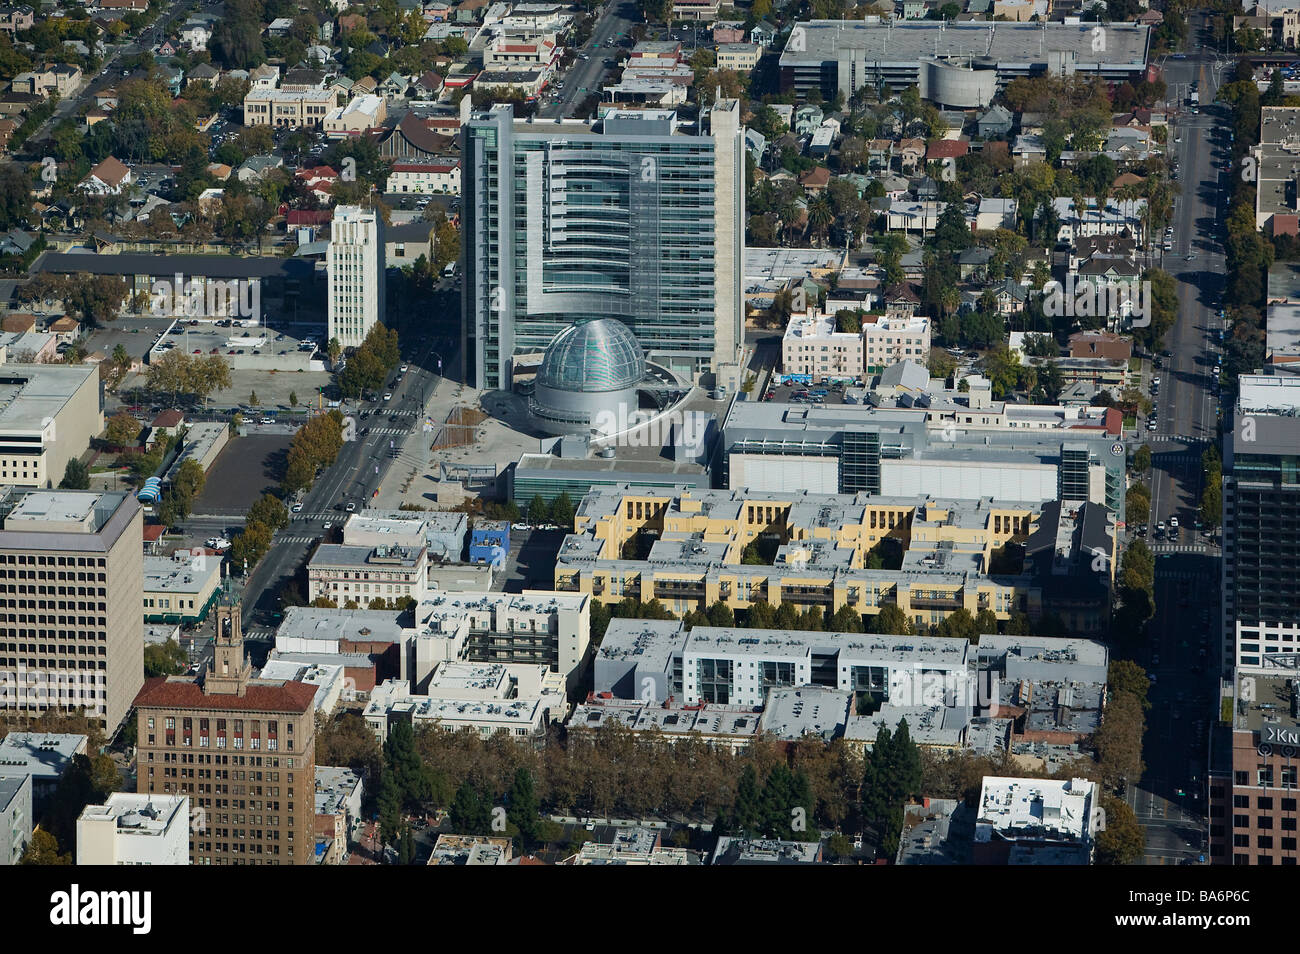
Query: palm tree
820	215
949	300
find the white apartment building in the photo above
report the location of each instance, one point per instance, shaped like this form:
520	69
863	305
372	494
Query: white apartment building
362	113
425	177
356	274
519	700
350	574
886	341
1036	821
813	350
135	829
512	53
536	626
739	667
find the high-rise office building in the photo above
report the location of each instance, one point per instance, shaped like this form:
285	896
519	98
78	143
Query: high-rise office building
1261	527
1254	774
242	749
637	216
71	574
356	274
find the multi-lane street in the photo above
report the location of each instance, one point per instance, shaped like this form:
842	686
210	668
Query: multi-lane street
615	21
1181	650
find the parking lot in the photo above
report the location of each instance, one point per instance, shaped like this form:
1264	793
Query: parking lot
806	393
239	345
136	335
243	471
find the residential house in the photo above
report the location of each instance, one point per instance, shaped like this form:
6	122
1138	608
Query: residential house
995	123
910	153
195	34
206	74
994	213
815	181
1010	297
973	263
110	177
807	119
763	34
428	85
16	19
257	167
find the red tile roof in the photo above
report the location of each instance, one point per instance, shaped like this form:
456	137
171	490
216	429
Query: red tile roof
171	692
153	532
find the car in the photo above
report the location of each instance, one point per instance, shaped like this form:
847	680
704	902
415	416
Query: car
1151	425
1155	382
327	525
1188	258
403	369
266	420
521	527
388	397
1173	523
547	526
296	508
351	508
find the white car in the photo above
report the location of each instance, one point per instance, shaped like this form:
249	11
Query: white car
403	369
296	508
521	526
351	508
388	397
1173	523
327	525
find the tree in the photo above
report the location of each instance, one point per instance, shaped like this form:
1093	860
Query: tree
270	511
389	803
1142	459
164	659
562	511
122	430
524	810
1137	504
43	849
75	476
409	775
1127	676
293	398
406	848
1122	841
891	620
538	510
468	812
